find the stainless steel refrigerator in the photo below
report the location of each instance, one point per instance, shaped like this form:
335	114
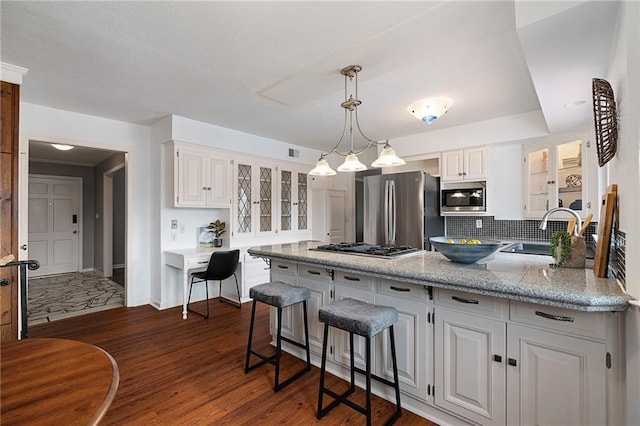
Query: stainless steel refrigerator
402	209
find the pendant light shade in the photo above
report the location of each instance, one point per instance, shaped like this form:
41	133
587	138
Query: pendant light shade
322	168
388	158
351	164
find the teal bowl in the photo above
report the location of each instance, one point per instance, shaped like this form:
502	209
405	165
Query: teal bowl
464	253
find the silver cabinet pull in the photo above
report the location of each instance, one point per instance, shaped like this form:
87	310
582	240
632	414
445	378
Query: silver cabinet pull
461	300
283	267
348	278
394	288
314	272
553	317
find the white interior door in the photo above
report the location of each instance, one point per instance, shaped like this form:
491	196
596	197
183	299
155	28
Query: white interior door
54	219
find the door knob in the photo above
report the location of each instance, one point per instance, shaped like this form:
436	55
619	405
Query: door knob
75	232
23	247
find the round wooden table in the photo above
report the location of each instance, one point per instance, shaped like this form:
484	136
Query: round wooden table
55	381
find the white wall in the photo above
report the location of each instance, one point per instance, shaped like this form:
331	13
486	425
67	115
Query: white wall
624	169
50	124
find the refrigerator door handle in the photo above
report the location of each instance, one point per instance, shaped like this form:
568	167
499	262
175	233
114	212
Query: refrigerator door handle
386	212
392	221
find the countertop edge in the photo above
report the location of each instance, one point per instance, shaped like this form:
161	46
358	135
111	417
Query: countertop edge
604	303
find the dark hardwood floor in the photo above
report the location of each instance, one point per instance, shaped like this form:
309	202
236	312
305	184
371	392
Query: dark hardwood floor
192	372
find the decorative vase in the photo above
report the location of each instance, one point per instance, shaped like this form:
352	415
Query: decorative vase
577	255
217	242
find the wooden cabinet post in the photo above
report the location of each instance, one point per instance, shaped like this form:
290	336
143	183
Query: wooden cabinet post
9	110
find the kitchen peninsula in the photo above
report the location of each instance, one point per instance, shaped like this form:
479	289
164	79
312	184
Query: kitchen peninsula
508	340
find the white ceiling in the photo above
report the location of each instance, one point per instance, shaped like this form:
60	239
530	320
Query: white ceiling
272	68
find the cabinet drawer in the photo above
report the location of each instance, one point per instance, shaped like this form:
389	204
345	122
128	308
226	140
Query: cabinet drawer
587	324
283	267
410	291
472	303
315	273
354	280
198	262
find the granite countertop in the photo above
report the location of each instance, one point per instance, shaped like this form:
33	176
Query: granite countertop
527	278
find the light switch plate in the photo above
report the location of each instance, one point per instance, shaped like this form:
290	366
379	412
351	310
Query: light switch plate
174	224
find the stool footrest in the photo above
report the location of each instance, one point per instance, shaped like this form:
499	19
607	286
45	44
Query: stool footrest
265	360
293	342
339	398
281	385
374	377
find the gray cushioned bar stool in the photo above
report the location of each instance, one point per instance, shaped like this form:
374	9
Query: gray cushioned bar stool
280	295
366	320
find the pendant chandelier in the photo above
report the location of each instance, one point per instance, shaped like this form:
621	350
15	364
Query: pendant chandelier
387	157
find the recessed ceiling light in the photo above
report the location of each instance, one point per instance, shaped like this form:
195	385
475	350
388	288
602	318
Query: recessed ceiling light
575	104
62	147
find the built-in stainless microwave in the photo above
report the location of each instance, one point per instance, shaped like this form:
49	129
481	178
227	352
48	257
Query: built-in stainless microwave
465	197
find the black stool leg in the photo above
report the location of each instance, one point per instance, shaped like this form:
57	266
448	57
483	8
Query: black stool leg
368	370
323	367
253	315
306	333
276	388
352	364
395	374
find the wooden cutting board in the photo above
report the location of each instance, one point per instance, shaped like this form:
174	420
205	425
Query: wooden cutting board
605	224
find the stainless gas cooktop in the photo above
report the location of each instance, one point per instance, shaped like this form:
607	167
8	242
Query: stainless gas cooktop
373	250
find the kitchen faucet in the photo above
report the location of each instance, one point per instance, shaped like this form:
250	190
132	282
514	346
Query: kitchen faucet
543	222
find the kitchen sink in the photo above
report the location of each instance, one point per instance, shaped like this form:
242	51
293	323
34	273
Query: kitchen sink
528	248
536	248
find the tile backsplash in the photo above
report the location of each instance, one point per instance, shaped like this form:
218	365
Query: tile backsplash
465	227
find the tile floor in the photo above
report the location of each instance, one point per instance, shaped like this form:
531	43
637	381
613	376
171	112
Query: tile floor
66	295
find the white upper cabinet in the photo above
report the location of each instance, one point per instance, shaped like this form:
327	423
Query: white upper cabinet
556	175
201	176
468	164
254	203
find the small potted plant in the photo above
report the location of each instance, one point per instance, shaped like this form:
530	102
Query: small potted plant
217	228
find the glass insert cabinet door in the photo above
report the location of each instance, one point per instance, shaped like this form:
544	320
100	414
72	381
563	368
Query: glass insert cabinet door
302	201
266	196
254	207
540	183
570	173
286	203
244	202
555	178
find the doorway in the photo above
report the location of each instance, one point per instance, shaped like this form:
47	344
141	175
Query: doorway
101	231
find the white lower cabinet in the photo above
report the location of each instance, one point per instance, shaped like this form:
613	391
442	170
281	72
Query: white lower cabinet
470	366
494	371
413	336
318	281
555	379
292	325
